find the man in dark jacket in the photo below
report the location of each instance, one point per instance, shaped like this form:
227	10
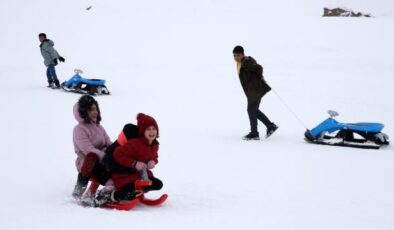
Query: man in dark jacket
50	56
253	83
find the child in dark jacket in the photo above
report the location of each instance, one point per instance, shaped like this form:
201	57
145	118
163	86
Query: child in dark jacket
137	154
128	132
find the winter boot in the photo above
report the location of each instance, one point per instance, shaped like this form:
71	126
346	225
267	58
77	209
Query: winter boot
80	187
56	85
271	129
78	191
50	84
156	185
126	196
103	197
88	201
252	136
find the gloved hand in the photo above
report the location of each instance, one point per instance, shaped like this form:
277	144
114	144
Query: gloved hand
55	61
61	59
151	164
139	165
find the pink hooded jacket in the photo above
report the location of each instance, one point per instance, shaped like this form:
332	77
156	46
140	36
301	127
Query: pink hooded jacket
88	138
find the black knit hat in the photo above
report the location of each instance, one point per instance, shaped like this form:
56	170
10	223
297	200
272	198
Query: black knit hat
238	50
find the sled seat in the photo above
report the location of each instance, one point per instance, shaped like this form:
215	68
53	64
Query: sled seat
364	127
331	125
77	79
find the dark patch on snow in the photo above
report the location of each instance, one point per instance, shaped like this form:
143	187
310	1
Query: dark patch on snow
341	12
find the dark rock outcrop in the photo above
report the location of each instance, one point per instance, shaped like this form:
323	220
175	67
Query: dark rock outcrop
339	12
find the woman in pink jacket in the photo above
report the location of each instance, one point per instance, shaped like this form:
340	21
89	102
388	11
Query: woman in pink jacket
90	141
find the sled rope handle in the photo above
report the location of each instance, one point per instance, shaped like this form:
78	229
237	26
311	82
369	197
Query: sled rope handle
288	108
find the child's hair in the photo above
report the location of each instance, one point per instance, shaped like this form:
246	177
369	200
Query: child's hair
238	50
42	35
84	104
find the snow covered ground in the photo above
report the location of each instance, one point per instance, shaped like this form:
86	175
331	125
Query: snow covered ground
172	59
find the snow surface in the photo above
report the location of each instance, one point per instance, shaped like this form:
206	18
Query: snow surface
172	59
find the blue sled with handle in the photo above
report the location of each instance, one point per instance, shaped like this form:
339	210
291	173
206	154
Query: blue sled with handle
360	135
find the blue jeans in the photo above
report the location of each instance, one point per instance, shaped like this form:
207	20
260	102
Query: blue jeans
51	73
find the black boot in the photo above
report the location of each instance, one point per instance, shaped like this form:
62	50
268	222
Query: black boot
271	129
252	136
126	196
104	197
79	190
57	84
80	187
156	185
50	84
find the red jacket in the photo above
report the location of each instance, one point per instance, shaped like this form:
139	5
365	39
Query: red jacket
136	149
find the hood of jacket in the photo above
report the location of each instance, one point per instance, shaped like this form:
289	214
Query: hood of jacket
76	113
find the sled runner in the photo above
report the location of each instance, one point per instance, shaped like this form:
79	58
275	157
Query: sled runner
127	205
360	135
78	84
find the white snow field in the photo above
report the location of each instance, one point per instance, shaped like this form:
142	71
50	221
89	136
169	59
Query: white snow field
173	60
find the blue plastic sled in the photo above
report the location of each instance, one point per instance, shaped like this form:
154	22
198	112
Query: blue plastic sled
361	135
78	84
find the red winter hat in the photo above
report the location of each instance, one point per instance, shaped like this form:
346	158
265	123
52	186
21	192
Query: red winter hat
144	121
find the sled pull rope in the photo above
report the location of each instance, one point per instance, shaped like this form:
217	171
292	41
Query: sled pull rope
288	108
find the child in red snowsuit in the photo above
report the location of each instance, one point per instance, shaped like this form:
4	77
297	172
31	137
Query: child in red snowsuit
137	154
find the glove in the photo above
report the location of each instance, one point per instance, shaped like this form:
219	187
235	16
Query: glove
55	61
61	59
139	165
151	164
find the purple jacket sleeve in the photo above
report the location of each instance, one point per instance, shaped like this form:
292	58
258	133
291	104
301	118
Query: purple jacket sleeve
83	143
107	139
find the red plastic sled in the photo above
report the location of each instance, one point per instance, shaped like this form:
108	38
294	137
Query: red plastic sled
152	202
122	205
139	185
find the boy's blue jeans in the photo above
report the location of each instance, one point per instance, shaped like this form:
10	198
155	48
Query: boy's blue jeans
51	73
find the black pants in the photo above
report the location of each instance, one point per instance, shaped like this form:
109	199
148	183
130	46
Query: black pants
254	114
100	173
128	191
